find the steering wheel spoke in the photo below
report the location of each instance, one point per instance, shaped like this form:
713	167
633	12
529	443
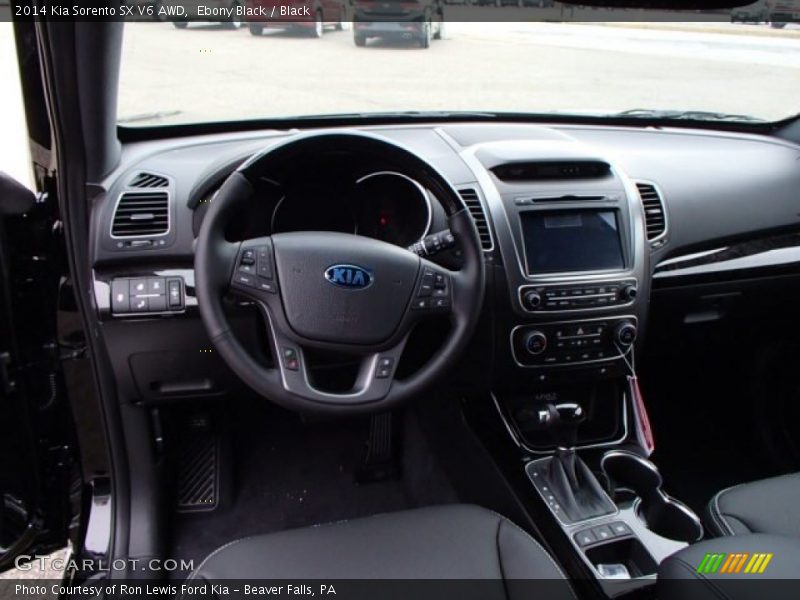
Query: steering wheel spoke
373	382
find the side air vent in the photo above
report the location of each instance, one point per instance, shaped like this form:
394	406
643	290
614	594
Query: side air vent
654	216
475	207
552	170
148	180
141	214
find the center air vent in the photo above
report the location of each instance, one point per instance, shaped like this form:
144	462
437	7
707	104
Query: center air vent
475	207
552	170
148	180
141	214
655	217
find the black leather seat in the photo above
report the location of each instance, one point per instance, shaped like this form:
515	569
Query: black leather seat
766	506
453	542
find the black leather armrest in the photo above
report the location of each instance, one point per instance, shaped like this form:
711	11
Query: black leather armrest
742	567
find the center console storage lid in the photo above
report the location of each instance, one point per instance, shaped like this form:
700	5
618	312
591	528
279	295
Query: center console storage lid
741	567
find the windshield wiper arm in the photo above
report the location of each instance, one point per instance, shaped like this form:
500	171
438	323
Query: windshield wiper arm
687	115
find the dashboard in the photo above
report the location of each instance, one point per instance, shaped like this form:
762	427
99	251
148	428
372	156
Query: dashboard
580	226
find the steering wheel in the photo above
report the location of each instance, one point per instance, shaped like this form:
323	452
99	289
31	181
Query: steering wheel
335	291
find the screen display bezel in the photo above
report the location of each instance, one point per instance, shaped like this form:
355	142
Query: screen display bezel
622	235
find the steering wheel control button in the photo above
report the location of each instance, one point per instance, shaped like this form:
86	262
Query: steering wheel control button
248	257
421	304
426	286
245	279
291	361
383	370
440	303
120	296
264	262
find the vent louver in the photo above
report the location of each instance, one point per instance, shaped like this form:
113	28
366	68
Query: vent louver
475	207
654	216
141	214
148	180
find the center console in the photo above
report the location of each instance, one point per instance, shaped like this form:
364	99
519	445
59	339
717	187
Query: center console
571	232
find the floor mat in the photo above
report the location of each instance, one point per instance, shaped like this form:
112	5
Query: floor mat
289	474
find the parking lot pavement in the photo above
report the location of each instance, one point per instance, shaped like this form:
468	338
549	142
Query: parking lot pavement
208	72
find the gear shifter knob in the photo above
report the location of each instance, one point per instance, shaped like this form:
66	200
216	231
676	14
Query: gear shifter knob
564	420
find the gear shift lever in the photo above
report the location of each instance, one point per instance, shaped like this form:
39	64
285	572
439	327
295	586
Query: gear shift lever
570	481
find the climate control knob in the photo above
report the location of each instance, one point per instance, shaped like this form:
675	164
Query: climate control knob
535	342
625	333
532	299
628	292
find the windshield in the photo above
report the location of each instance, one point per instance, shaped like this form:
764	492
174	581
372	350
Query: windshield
343	59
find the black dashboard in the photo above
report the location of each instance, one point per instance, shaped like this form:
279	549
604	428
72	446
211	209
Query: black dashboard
579	225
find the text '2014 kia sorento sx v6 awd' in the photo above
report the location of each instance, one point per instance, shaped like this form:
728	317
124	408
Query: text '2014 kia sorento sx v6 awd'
512	316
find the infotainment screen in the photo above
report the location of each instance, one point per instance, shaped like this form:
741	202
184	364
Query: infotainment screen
571	241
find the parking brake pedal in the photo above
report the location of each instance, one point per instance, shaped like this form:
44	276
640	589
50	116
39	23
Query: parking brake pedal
380	460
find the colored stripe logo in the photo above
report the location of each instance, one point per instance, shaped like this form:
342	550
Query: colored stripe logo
735	562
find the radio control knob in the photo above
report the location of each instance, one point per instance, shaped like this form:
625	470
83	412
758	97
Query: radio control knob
625	333
535	342
532	299
629	291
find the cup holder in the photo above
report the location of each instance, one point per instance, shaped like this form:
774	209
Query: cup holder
661	513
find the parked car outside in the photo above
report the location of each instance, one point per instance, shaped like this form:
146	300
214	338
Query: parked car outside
417	20
310	16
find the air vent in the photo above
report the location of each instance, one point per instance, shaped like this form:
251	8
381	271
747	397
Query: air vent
552	170
141	214
475	207
654	216
148	180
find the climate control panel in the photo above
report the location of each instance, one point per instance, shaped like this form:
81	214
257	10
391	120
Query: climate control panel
573	342
573	297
